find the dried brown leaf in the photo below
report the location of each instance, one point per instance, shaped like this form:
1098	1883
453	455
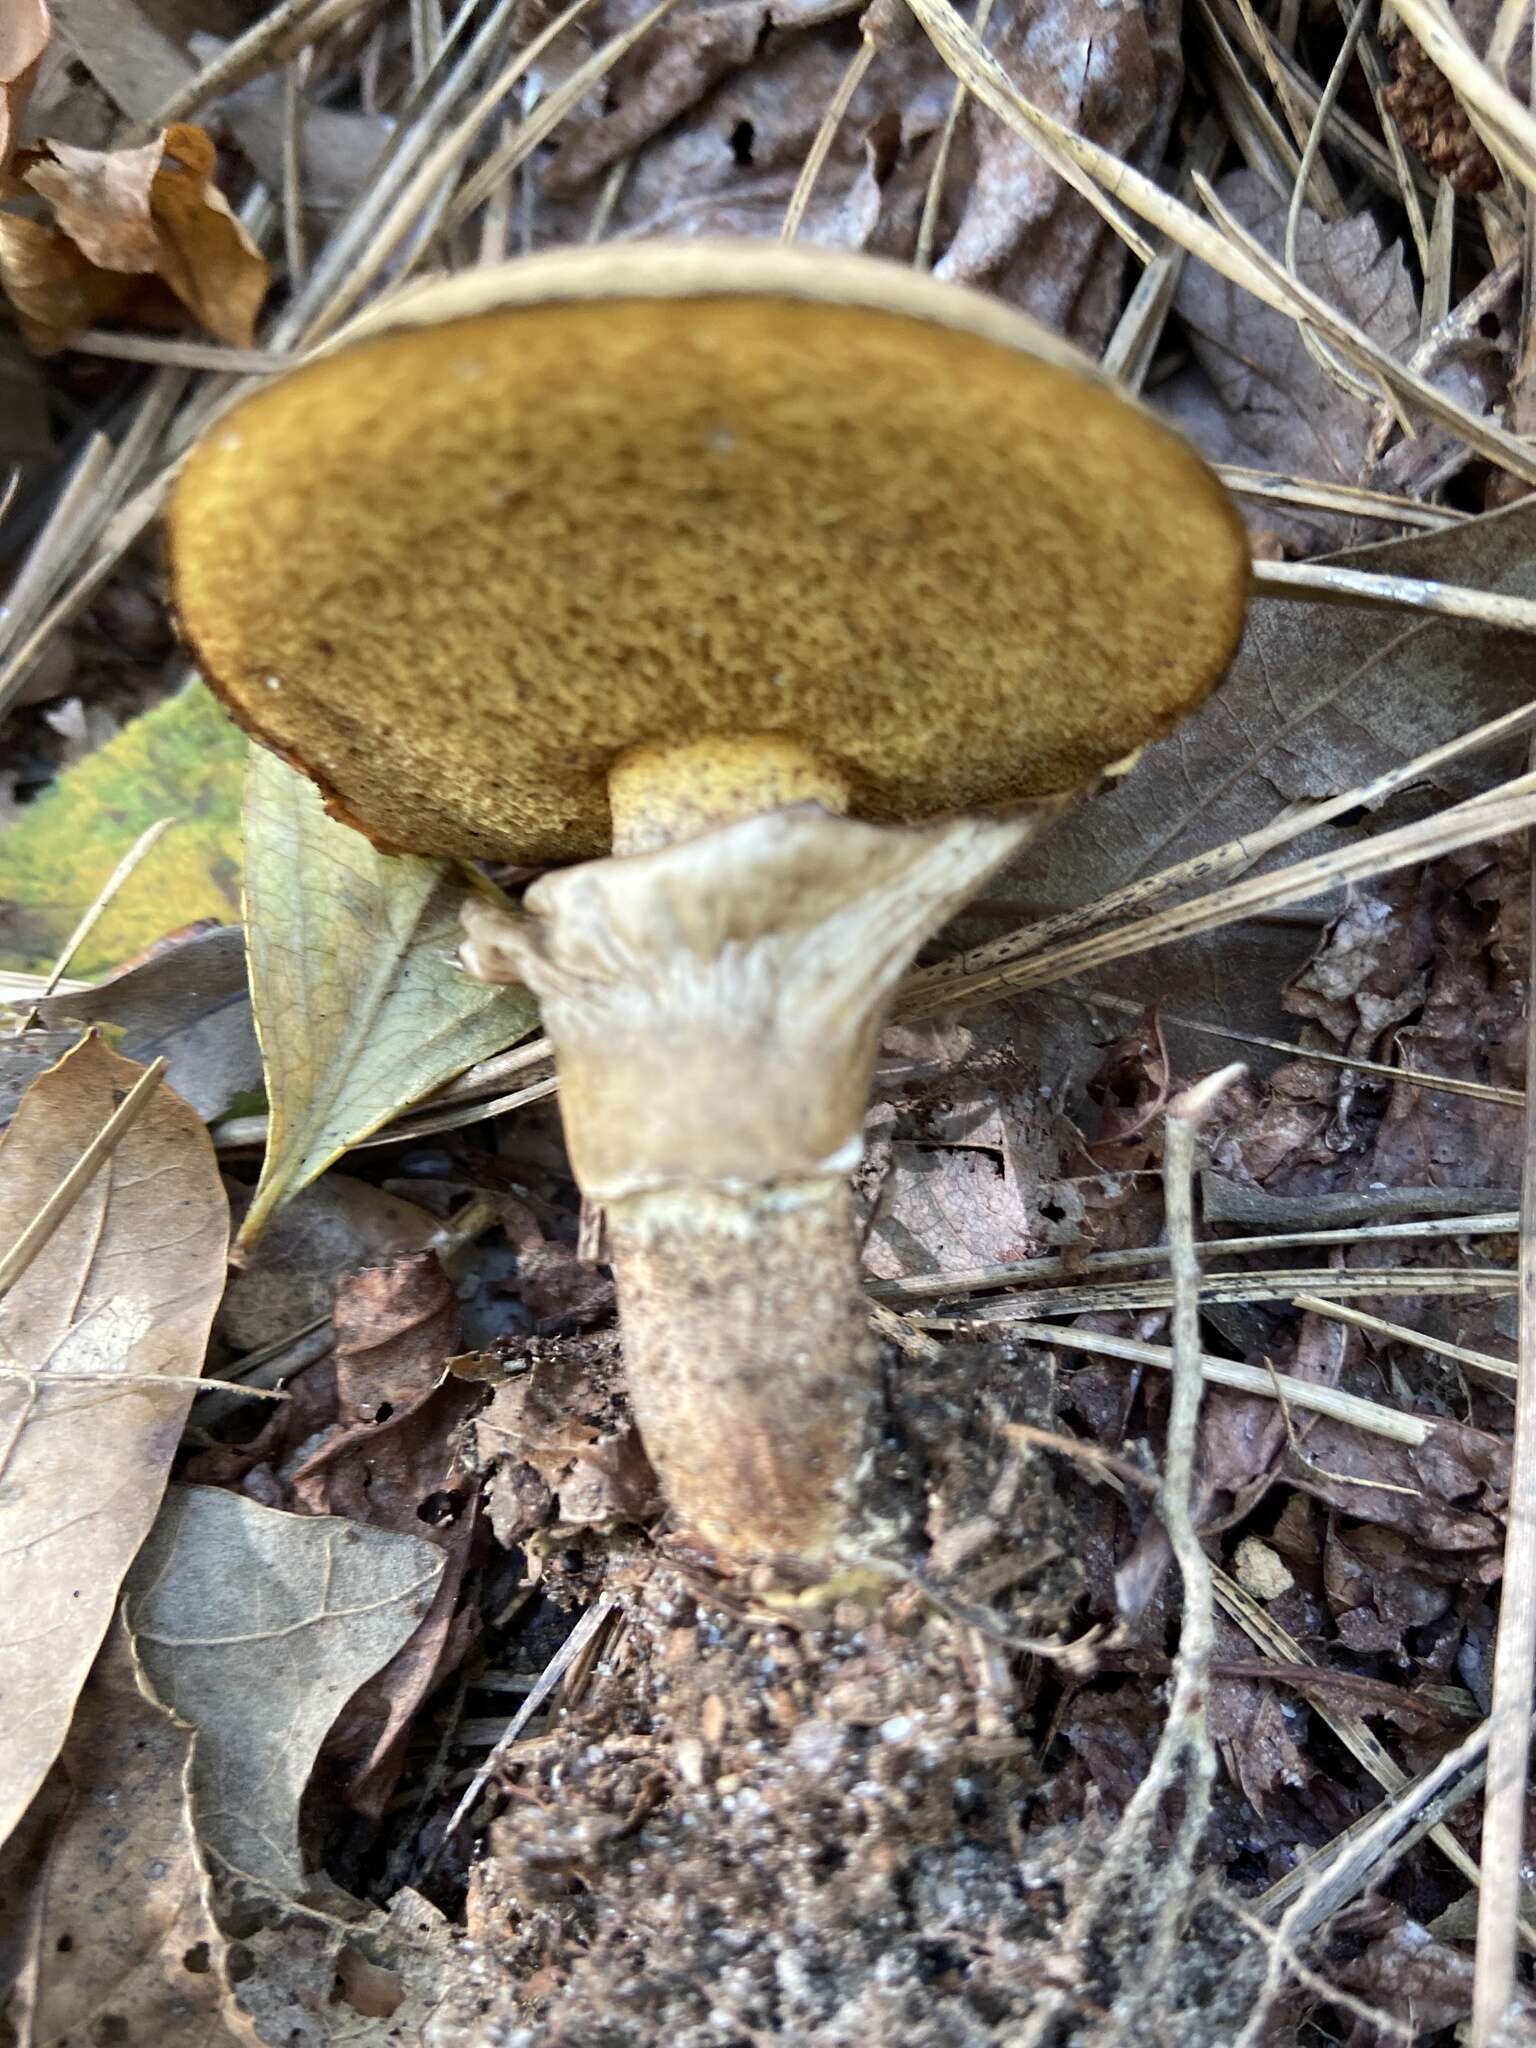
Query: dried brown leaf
1112	74
1257	397
104	1887
55	291
666	75
101	199
392	1461
121	1296
25	28
206	256
330	1231
560	1447
141	235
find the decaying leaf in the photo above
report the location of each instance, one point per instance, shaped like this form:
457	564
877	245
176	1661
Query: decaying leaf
24	32
328	1232
141	235
105	1889
321	1983
1255	396
392	1460
1111	73
559	1448
1321	698
120	1296
256	1627
360	1008
184	760
187	1004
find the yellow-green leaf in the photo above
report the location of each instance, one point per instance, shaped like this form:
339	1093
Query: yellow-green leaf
360	1009
184	760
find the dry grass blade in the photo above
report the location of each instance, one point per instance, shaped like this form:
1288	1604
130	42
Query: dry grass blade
1374	1417
1408	1077
1509	808
550	113
1313	582
1398	1333
1326	1281
1514	1660
429	183
1229	858
933	197
1225	246
1014	1272
267	41
1086	168
182	355
146	841
584	1633
1260	1626
826	134
1271	488
1367	1859
48	558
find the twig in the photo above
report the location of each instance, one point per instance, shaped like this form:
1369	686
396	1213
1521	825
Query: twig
1374	1417
1514	1659
1322	582
1185	1758
1325	1281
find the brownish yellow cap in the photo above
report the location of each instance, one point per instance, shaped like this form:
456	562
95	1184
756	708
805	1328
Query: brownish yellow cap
531	517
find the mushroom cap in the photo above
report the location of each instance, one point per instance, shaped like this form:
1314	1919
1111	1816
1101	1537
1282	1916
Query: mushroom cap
522	520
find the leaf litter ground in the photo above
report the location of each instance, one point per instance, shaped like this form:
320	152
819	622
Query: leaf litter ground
554	1776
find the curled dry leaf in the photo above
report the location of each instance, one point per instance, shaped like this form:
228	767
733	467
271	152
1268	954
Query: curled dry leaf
24	32
121	1296
104	1888
256	1627
140	235
359	1007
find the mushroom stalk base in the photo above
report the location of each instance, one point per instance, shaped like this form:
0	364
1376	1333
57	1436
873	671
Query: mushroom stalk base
748	1355
715	1007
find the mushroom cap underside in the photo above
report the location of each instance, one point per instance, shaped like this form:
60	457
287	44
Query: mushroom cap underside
457	565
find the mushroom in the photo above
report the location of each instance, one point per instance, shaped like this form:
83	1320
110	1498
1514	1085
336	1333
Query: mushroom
786	592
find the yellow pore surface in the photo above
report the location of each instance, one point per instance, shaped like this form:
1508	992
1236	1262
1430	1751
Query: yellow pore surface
454	572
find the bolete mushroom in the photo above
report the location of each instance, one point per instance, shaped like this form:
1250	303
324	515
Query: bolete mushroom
787	592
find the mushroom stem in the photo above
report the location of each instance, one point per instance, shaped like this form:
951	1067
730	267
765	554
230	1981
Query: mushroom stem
715	1007
747	1350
